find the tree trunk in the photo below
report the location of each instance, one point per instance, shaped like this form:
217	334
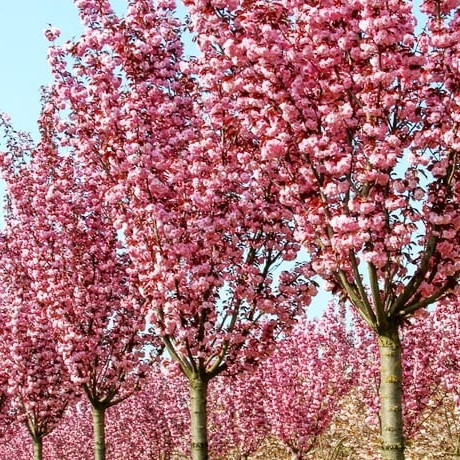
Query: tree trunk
198	416
99	432
391	420
456	453
38	448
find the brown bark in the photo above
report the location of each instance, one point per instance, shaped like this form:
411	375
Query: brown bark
38	448
99	433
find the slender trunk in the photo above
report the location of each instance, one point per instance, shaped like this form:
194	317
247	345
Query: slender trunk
391	419
99	432
198	416
38	448
456	453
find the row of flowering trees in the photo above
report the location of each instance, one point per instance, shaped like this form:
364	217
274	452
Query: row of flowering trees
200	196
294	398
298	400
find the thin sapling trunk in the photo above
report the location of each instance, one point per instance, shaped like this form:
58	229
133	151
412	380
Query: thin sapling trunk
391	417
198	416
38	447
99	432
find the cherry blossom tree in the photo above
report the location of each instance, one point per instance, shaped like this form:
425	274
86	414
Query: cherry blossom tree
153	424
99	327
7	413
239	423
447	321
204	238
38	382
355	116
99	320
76	272
306	378
73	438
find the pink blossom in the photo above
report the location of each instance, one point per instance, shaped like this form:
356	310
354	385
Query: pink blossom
51	33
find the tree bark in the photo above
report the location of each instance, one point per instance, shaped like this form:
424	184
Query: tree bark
456	453
198	416
391	419
38	448
99	432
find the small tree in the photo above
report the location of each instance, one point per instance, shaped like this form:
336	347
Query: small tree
239	423
38	382
306	378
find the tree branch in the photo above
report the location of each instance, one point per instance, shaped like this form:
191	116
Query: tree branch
417	278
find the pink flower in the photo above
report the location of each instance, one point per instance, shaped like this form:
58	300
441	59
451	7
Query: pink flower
51	33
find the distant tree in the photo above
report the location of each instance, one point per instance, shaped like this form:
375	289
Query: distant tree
154	423
239	424
37	379
306	378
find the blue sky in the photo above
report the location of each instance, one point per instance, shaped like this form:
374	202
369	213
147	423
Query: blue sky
23	52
